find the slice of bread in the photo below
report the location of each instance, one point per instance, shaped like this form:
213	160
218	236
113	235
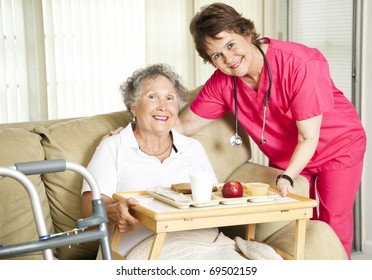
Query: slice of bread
185	188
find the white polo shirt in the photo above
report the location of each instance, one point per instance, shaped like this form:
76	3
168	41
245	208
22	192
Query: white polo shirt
119	165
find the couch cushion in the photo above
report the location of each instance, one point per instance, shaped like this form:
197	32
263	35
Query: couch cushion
17	222
74	141
225	158
321	242
215	138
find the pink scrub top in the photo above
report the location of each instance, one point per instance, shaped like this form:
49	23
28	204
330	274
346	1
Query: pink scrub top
301	89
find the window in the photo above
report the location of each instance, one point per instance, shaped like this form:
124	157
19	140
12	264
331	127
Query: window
66	58
328	26
88	47
13	73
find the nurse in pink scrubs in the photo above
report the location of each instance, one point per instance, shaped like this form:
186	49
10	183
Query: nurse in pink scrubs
310	127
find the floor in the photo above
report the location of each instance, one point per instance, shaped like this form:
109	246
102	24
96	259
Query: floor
360	256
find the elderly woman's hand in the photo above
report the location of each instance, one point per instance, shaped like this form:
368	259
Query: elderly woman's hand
119	214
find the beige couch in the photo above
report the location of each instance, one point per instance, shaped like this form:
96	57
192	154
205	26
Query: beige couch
76	139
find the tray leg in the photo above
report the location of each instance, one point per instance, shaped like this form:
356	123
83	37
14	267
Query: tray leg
250	232
157	245
300	234
115	242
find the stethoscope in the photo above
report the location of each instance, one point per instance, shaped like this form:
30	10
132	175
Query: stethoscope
236	140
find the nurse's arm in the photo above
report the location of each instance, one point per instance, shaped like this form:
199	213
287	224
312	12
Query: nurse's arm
308	138
189	123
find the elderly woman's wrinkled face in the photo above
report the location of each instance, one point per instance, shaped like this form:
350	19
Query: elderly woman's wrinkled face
157	107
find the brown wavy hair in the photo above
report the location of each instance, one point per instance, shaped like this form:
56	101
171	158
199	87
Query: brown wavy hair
215	18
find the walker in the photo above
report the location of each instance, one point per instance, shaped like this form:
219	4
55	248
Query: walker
48	241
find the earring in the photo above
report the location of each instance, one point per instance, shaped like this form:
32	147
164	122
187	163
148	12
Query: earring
134	119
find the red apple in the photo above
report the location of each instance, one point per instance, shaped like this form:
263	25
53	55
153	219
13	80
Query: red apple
232	189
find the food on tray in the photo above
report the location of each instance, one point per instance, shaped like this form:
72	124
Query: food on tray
232	189
176	196
257	189
218	186
185	188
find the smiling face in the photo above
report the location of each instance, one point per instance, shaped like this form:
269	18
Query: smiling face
232	53
157	107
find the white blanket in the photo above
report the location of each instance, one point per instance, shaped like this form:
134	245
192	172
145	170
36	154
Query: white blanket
205	244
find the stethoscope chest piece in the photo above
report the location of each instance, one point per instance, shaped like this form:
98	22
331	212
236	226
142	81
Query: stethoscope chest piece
236	140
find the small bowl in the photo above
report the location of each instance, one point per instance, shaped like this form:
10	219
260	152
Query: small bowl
257	189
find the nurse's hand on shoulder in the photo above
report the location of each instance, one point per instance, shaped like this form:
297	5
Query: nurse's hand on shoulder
284	187
112	132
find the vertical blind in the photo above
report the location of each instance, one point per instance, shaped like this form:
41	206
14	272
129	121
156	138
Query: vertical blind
90	48
326	25
13	73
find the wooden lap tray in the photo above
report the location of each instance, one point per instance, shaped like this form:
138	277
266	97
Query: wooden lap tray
162	218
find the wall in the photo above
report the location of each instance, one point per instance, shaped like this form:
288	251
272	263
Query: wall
168	38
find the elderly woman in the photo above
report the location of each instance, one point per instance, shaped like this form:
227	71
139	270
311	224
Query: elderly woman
149	153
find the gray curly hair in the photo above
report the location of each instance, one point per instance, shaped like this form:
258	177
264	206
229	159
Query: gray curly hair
132	87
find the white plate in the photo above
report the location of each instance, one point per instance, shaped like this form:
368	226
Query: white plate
184	205
234	200
213	202
180	205
265	198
